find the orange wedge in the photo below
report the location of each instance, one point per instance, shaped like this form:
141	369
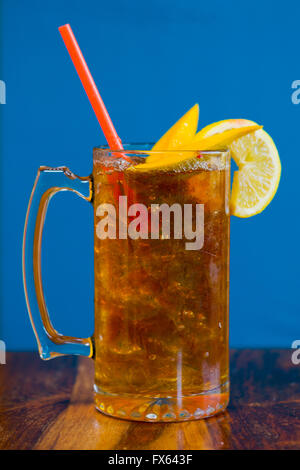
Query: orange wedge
181	132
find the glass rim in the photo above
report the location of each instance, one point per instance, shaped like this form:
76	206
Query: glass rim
135	148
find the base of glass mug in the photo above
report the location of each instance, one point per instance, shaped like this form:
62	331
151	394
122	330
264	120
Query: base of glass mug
162	408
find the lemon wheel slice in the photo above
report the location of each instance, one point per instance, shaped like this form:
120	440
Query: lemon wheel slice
256	182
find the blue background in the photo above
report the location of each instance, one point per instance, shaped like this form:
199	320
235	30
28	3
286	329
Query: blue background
152	61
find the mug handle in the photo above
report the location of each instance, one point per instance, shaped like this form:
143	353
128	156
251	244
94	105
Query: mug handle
48	182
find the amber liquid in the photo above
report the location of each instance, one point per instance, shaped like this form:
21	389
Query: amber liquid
161	311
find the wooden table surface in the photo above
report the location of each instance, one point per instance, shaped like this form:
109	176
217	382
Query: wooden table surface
49	405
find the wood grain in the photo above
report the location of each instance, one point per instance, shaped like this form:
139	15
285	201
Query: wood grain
49	405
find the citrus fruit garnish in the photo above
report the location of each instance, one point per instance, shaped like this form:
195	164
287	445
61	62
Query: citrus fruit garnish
181	132
221	126
220	140
161	161
256	181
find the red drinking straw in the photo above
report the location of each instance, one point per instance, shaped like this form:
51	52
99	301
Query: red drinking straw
91	90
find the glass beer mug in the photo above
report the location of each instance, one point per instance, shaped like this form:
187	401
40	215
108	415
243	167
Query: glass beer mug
161	265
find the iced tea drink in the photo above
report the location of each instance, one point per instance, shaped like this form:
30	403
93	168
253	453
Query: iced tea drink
161	311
